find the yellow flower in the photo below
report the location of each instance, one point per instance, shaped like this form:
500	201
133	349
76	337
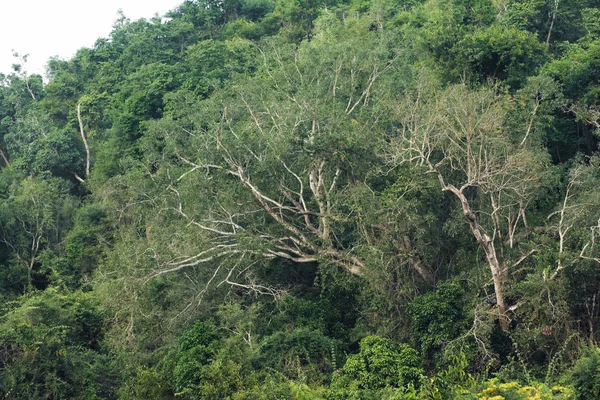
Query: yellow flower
510	385
488	392
527	390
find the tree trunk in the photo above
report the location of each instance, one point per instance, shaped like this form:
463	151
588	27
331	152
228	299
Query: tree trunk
4	158
85	143
490	252
554	15
497	276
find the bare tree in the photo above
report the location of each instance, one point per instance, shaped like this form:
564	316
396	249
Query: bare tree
21	70
283	146
29	222
577	221
303	214
4	158
457	135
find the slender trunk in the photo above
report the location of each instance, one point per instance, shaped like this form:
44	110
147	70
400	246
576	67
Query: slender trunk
489	249
498	278
490	254
29	89
4	158
550	30
554	15
85	143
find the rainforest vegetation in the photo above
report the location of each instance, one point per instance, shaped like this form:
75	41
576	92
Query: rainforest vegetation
300	199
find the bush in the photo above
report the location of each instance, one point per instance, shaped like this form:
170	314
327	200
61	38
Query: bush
379	364
514	391
50	348
300	354
586	375
437	317
198	347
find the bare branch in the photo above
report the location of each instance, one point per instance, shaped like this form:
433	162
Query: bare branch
84	139
4	158
197	260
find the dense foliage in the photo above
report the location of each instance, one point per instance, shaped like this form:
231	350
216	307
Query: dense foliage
344	199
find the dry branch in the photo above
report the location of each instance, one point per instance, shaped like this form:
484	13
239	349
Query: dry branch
85	143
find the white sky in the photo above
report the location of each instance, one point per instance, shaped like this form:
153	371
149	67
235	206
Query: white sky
46	28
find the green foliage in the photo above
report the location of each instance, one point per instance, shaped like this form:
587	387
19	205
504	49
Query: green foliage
285	173
50	348
554	22
577	71
34	215
147	383
438	317
586	375
378	365
198	372
84	245
301	354
500	53
515	391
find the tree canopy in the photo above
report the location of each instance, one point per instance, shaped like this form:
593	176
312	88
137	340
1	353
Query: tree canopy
344	199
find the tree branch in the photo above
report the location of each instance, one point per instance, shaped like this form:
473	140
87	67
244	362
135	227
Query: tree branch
85	143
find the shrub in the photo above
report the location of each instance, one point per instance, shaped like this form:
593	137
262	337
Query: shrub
437	317
515	391
380	364
586	375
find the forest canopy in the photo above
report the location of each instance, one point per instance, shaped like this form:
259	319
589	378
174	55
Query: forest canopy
292	199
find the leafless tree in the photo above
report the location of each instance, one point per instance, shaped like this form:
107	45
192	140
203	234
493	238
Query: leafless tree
457	135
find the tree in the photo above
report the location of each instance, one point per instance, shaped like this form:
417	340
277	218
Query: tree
437	317
260	171
502	53
457	135
33	219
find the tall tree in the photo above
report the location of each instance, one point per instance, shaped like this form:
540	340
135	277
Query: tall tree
458	135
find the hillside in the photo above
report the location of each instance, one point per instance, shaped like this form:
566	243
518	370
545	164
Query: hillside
290	199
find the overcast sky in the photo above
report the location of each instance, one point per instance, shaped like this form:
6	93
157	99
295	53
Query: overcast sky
46	28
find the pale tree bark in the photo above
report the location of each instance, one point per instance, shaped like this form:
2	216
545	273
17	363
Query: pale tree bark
576	210
85	144
552	20
6	163
416	263
34	226
486	243
307	235
303	233
564	223
294	213
458	136
404	248
23	72
588	248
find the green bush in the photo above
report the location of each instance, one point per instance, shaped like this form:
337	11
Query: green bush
300	354
50	349
379	364
197	350
437	317
586	375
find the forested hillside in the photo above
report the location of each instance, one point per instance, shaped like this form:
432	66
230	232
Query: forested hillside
299	199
